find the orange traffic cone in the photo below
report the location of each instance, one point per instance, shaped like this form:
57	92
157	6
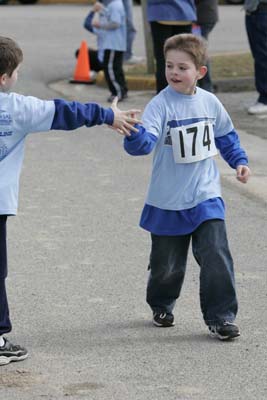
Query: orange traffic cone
82	69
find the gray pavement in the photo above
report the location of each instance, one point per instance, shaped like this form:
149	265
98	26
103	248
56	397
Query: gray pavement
77	259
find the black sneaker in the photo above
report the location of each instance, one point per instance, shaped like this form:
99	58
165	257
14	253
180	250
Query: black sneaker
163	320
10	352
225	331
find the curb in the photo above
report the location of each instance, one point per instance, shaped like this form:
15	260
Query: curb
147	82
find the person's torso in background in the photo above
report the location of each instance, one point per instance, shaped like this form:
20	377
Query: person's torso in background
171	10
112	39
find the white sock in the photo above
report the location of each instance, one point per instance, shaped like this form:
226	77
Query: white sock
2	342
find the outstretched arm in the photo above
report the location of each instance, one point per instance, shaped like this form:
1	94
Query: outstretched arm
72	115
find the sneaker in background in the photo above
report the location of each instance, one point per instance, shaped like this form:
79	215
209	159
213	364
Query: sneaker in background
163	320
134	60
93	75
112	97
225	331
10	352
258	108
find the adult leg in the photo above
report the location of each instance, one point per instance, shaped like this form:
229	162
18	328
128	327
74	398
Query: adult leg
160	33
256	26
5	324
217	283
166	271
131	31
206	82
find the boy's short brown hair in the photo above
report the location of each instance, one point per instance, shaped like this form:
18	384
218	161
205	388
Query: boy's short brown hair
194	46
10	56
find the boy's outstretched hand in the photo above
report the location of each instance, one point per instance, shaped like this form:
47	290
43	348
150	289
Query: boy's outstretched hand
124	120
242	173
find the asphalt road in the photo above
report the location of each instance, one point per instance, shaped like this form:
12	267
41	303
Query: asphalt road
77	259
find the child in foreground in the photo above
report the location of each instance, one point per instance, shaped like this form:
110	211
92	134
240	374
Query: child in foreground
20	115
185	125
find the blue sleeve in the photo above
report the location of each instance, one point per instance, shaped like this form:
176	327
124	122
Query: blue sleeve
140	143
88	22
72	115
229	147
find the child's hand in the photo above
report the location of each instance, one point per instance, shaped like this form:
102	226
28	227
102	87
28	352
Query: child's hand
124	120
97	7
242	173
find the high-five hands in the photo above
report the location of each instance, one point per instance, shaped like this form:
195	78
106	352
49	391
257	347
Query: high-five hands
124	120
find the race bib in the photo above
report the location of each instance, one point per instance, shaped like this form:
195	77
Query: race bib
193	142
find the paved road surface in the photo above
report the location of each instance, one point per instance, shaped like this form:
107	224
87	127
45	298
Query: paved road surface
78	259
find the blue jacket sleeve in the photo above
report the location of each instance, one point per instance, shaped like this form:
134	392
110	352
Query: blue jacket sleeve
140	143
72	115
88	22
229	147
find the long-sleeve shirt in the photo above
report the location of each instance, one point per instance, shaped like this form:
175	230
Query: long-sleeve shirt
111	34
21	115
184	132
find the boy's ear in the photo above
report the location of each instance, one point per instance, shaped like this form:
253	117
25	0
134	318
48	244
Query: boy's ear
3	79
202	71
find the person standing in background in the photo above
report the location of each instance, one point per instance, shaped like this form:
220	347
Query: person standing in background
256	27
129	57
107	21
168	18
207	17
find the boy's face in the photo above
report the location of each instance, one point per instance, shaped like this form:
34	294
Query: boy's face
7	82
181	73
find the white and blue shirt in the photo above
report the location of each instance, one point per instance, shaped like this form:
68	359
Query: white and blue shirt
21	115
185	132
112	32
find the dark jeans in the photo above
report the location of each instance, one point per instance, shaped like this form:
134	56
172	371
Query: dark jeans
5	324
217	284
160	33
256	26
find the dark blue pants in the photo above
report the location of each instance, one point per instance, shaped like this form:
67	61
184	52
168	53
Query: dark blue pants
256	26
217	284
5	324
